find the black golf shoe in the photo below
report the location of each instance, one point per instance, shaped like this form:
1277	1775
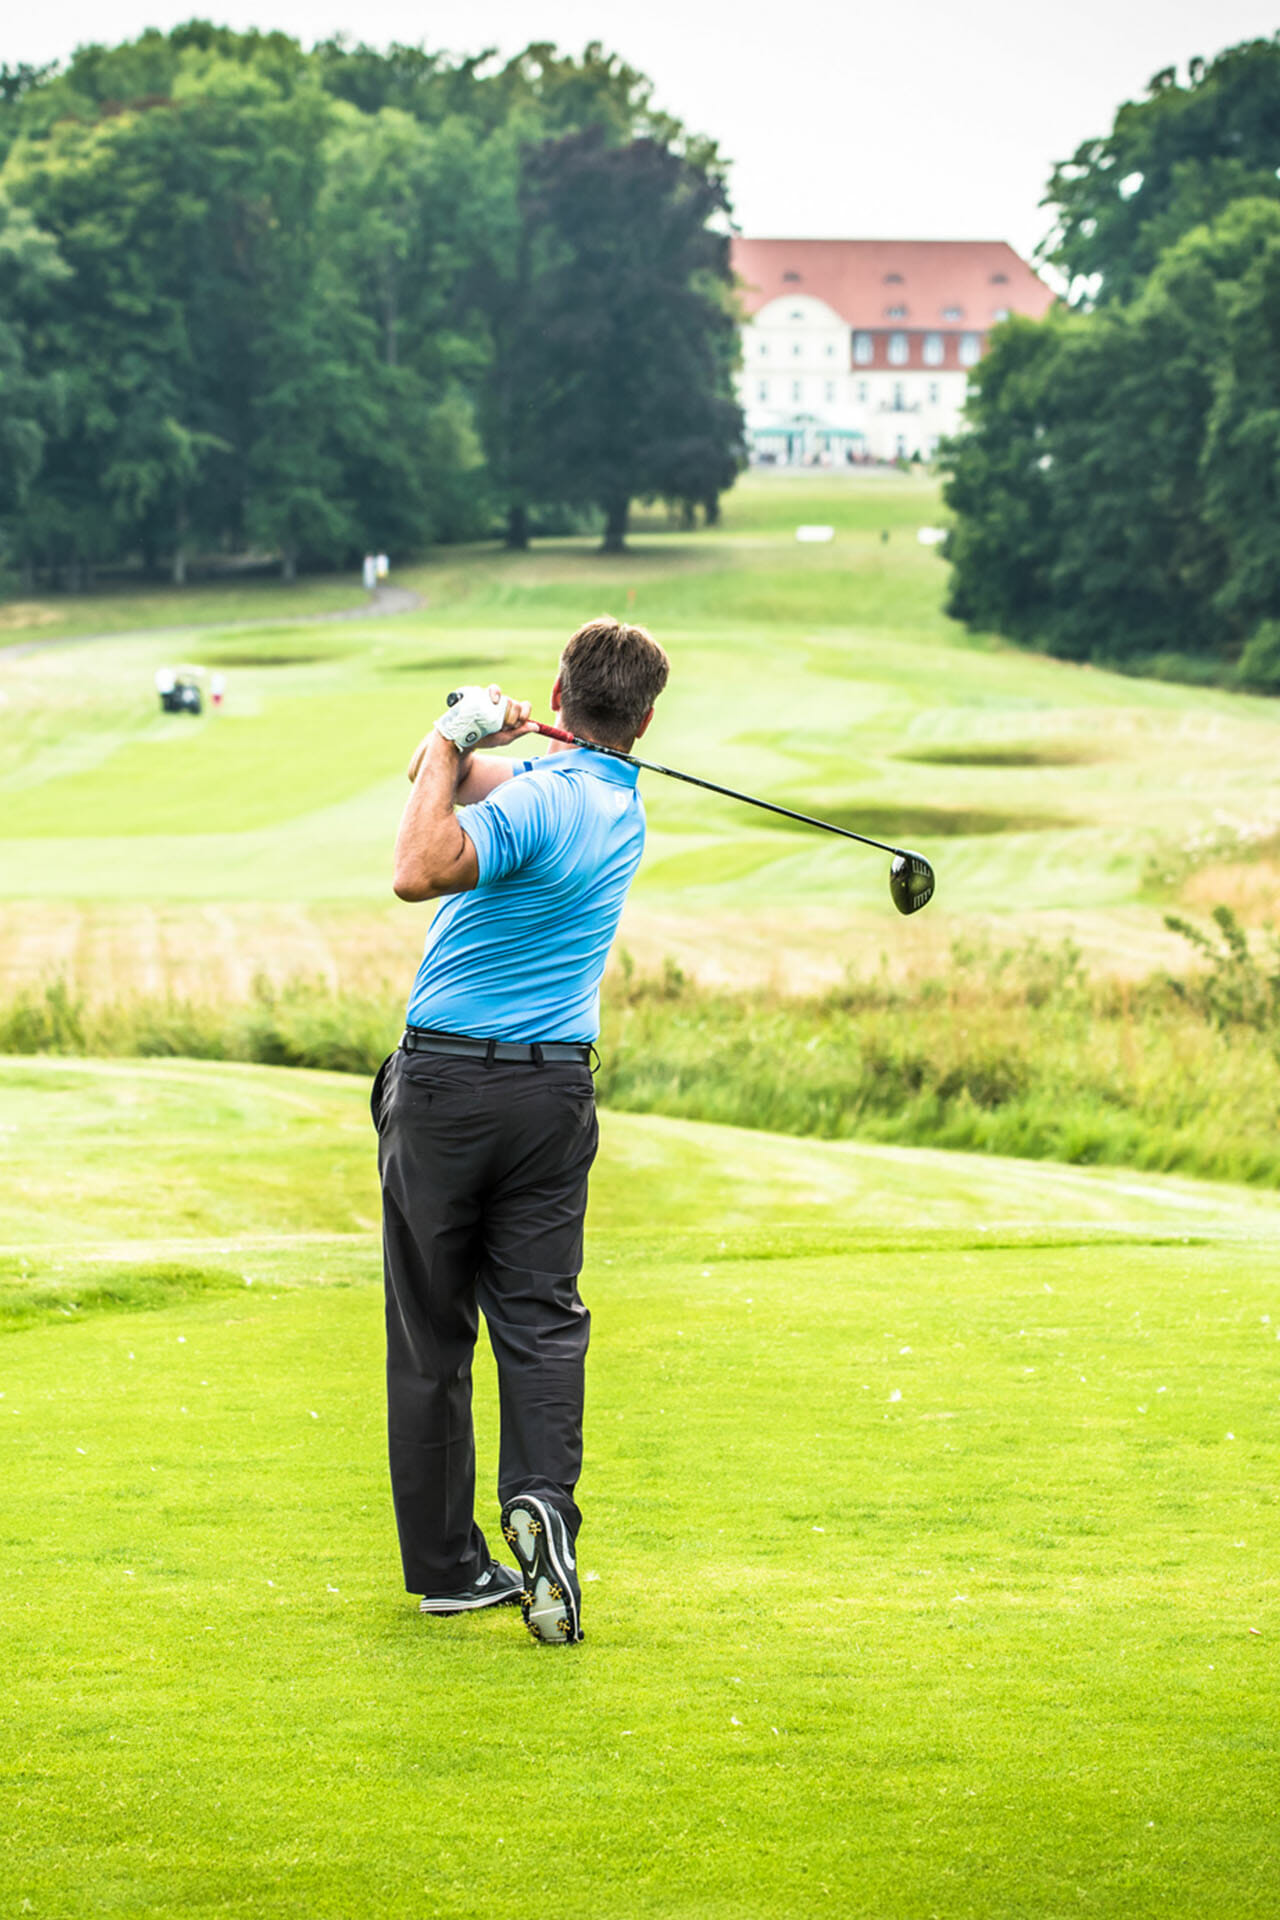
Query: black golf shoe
552	1598
497	1586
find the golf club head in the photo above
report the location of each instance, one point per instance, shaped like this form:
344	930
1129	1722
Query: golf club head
910	882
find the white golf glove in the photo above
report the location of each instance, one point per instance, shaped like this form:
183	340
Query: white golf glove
472	715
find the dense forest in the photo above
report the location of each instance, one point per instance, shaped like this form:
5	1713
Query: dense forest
1117	491
259	299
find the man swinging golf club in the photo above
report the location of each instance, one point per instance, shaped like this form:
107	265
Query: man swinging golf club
486	1119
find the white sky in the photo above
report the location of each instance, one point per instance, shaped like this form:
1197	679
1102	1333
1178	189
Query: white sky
933	119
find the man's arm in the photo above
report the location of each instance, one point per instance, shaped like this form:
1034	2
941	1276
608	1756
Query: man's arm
477	779
433	854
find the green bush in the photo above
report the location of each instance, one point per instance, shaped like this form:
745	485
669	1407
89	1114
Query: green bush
1259	666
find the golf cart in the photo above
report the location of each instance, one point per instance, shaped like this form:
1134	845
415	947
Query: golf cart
181	689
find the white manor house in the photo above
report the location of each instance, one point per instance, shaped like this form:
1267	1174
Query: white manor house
861	349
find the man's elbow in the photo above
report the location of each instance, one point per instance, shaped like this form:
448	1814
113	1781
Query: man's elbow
421	883
413	886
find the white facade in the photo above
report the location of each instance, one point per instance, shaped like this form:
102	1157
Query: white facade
805	395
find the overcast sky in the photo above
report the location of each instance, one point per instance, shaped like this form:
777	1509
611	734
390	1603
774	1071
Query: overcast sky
939	119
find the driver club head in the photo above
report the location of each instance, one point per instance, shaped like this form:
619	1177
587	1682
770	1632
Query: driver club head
910	882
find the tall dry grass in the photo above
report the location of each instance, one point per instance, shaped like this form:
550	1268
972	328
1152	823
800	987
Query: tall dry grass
1015	1051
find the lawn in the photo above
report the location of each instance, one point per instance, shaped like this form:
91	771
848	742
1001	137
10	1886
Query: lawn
930	1541
139	850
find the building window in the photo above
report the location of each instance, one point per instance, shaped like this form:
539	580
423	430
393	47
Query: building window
970	349
953	313
831	390
899	397
791	276
762	391
1000	313
933	349
797	313
797	390
830	352
896	313
933	393
796	350
893	279
999	279
863	350
764	348
862	393
899	351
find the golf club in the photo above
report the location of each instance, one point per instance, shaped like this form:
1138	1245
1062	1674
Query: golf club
911	879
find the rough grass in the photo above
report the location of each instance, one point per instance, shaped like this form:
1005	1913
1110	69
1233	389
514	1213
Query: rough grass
1014	1051
929	1506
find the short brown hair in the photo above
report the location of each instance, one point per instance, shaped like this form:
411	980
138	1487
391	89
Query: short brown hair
610	676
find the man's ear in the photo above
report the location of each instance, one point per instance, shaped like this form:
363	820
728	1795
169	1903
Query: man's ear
555	696
643	728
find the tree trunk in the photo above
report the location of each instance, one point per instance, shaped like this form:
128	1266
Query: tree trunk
711	510
517	529
180	546
615	526
289	564
688	516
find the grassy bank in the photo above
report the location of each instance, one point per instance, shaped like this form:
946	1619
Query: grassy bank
1015	1051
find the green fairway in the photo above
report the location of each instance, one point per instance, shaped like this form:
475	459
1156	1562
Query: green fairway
929	1551
1050	797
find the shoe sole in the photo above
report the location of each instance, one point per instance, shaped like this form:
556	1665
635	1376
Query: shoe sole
449	1611
550	1599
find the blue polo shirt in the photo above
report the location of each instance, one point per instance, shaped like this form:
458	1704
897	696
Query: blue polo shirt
520	956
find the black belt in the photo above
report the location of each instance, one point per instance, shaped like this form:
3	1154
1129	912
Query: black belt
423	1040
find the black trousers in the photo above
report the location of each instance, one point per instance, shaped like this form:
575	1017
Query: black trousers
484	1188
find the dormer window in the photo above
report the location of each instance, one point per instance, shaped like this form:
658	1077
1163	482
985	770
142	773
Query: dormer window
999	279
895	313
953	313
791	277
893	279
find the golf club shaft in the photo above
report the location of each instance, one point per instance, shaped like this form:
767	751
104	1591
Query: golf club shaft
729	793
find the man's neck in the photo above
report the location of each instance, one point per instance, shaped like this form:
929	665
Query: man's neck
567	746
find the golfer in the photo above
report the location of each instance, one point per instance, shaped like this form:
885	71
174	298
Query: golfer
486	1119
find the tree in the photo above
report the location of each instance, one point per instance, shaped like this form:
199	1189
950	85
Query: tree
631	327
30	271
399	219
314	302
1171	162
1117	489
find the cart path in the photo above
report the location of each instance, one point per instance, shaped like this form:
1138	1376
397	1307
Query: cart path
382	601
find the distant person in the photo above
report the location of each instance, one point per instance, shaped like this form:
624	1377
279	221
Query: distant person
486	1119
369	572
217	687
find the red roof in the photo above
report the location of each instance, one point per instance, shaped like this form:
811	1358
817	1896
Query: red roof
939	283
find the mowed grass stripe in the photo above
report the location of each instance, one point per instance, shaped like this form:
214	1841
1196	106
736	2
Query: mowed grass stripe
801	673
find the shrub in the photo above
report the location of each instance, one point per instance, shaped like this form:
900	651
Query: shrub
1259	665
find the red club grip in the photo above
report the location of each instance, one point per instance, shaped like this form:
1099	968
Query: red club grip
554	733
